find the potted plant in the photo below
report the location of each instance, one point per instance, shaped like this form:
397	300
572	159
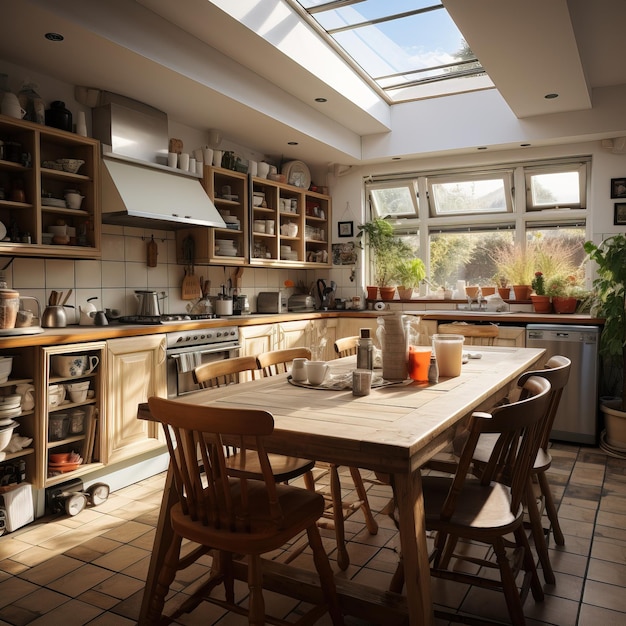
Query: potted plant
409	274
386	249
561	290
540	300
608	301
517	267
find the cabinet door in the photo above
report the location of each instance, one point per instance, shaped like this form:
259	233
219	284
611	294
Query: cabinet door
136	371
511	336
294	334
257	339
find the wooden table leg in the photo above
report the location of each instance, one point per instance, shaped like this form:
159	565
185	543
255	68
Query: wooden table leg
410	503
162	540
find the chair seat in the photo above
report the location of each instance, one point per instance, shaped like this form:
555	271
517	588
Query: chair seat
481	508
284	468
543	459
300	508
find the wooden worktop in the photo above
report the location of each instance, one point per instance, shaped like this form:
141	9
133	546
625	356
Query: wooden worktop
78	334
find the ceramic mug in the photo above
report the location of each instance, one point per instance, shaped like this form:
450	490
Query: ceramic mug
69	366
316	372
298	369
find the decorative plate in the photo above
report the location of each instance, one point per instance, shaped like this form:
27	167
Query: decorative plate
297	174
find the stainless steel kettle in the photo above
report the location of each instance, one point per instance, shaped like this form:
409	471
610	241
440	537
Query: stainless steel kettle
148	303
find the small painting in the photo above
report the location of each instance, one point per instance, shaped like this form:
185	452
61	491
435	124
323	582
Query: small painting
618	187
344	253
346	229
619	215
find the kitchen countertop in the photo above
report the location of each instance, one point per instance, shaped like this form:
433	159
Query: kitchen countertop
78	334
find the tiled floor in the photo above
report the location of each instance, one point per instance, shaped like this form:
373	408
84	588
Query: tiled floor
90	569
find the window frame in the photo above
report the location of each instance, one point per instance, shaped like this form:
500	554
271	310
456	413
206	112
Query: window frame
561	168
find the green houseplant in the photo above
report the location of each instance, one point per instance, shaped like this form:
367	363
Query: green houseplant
409	273
608	301
378	235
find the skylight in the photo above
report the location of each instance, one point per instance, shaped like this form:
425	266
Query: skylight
407	49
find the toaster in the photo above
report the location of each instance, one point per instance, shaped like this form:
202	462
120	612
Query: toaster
271	302
301	302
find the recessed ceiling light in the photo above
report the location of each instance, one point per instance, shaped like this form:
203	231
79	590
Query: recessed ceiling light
481	148
321	100
551	96
395	158
54	37
524	145
292	143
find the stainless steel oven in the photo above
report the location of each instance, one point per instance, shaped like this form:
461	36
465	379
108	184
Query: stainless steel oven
187	349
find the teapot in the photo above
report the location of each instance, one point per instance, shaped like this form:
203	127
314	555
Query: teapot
11	106
87	313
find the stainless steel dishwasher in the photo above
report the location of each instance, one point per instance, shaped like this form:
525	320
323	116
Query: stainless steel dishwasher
577	417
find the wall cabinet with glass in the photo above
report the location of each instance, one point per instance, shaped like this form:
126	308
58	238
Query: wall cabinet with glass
227	246
71	434
49	191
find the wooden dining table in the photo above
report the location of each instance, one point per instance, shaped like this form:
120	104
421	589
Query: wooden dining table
394	430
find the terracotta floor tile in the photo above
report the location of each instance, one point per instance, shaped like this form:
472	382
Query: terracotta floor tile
91	568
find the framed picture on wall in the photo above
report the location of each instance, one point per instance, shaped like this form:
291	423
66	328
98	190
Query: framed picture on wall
619	215
618	187
346	229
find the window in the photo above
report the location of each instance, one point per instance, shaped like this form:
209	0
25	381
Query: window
474	222
478	193
395	200
556	187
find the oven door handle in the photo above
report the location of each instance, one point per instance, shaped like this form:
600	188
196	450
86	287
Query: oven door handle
211	351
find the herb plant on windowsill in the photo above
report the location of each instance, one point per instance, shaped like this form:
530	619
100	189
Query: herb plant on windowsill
541	301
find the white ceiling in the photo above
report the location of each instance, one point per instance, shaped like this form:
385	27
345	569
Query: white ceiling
202	63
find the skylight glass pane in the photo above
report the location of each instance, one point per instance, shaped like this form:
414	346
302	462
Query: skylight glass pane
400	44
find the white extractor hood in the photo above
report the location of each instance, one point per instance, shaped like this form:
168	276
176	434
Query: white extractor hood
133	193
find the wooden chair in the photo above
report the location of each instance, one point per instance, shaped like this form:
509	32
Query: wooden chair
278	361
336	509
477	334
346	346
227	372
231	511
556	371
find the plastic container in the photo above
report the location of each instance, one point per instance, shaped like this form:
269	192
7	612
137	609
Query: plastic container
449	353
58	425
9	306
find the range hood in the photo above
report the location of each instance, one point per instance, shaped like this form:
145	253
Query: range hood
136	189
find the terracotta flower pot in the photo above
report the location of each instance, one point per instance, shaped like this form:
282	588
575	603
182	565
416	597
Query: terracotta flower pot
472	291
541	304
564	304
522	292
372	293
488	291
387	293
505	293
405	293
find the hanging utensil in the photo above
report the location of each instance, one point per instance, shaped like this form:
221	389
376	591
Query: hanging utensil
191	288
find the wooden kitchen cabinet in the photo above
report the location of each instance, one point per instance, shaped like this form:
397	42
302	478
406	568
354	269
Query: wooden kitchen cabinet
136	370
58	430
229	192
289	225
22	464
33	190
257	339
290	229
309	334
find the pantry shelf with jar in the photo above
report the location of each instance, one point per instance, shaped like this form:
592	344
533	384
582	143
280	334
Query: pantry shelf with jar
49	191
71	439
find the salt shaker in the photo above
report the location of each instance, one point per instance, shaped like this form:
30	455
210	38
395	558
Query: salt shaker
433	369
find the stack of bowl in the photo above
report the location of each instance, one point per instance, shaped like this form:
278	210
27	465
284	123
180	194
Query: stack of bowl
78	391
226	247
10	407
6	365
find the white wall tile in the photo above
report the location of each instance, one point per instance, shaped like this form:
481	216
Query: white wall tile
113	274
136	275
28	273
59	274
88	274
112	247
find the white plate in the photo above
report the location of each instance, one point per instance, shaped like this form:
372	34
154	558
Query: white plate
3	231
297	174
